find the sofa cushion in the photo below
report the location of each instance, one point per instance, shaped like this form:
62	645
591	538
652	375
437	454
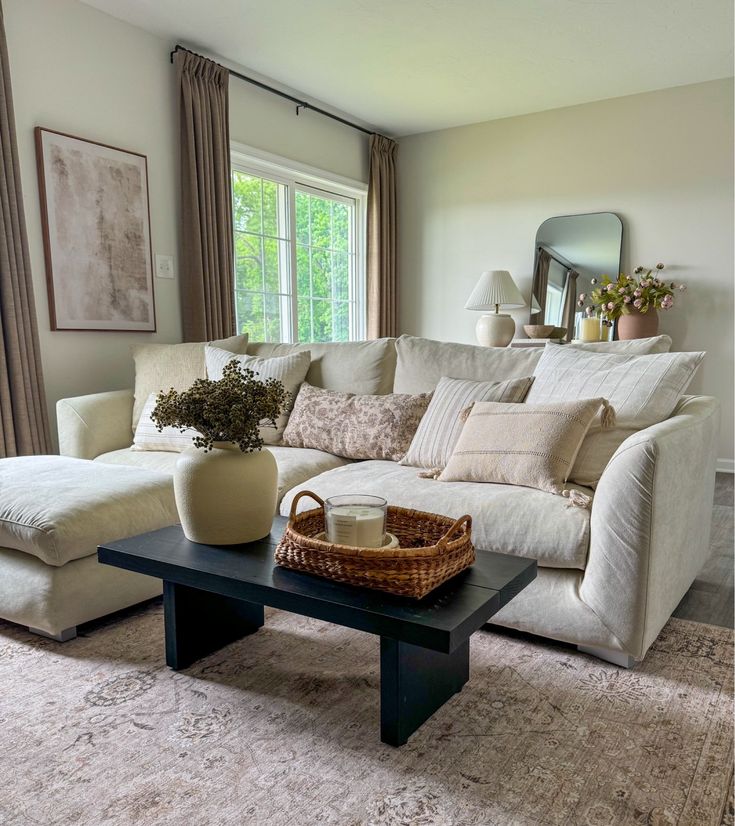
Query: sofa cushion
631	347
58	509
421	362
643	390
511	520
357	427
295	464
290	370
162	366
363	367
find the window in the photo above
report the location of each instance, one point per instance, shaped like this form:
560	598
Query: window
299	271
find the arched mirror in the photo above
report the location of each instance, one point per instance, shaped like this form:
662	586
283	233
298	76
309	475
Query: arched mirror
570	251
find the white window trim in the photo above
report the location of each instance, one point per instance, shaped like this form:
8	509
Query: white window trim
257	162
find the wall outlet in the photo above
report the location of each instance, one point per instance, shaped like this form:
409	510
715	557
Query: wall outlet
164	266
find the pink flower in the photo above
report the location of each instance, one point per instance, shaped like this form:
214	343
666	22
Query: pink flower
637	293
637	303
593	281
610	305
582	296
644	283
590	312
623	290
626	300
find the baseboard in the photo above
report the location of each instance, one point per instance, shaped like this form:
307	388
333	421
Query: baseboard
726	466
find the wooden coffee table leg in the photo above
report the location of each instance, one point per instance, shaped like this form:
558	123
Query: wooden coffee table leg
414	683
198	623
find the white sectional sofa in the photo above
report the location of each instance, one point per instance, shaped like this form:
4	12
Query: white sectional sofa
609	576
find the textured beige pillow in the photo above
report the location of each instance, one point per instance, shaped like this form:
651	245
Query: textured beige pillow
642	389
289	370
356	427
521	444
163	366
439	429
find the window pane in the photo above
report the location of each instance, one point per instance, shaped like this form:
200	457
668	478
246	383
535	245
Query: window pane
304	311
246	202
341	227
321	222
341	275
321	275
272	318
302	218
270	208
248	264
303	284
322	314
250	317
272	279
341	321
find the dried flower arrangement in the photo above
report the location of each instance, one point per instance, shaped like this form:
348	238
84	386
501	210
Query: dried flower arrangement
611	299
231	409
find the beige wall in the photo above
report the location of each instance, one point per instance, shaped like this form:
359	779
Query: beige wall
80	71
472	199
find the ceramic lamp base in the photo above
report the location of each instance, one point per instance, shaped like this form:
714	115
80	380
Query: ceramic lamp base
495	330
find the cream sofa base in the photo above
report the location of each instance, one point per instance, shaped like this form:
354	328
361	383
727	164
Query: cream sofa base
53	600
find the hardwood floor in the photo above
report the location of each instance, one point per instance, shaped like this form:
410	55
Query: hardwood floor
710	599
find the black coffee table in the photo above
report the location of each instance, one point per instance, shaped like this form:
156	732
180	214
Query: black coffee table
213	595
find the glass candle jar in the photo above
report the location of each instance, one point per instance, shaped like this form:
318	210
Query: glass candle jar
354	519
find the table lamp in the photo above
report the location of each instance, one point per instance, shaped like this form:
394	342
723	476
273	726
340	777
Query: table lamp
494	290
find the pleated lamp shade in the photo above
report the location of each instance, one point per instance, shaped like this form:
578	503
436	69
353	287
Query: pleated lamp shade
495	287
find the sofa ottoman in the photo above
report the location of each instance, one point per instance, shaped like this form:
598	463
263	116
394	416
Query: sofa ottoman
54	512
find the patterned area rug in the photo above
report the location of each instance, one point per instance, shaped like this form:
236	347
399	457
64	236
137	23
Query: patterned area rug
282	728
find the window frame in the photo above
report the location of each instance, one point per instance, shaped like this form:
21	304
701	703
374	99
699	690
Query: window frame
300	177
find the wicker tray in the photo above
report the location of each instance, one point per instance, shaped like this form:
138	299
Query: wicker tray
433	549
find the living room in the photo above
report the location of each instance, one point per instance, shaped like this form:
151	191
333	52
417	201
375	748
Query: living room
259	253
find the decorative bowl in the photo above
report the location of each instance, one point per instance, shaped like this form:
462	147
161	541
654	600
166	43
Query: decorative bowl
558	332
538	330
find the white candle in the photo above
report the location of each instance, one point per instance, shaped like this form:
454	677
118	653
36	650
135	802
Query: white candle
589	329
358	525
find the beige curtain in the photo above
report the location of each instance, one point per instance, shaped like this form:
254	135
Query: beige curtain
207	253
382	285
570	304
24	427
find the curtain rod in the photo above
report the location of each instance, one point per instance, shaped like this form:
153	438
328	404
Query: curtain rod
300	104
558	257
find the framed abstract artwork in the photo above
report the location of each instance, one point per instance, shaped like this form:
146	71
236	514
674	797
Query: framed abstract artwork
96	232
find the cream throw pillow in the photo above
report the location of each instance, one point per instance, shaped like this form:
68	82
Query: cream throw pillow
643	390
521	444
165	366
149	437
290	370
440	427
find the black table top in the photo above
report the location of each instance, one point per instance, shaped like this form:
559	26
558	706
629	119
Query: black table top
441	621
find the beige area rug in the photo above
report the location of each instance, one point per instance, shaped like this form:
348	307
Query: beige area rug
282	728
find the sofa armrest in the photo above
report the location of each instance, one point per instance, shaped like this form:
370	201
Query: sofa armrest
650	523
95	424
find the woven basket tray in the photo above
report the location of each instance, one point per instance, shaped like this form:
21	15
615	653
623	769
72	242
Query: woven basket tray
433	549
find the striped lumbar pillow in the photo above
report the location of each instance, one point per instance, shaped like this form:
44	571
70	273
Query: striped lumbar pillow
523	444
149	437
441	425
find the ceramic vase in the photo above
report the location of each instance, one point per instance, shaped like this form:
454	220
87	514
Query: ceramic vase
638	325
225	496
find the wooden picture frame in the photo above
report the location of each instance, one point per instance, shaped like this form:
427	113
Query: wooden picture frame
95	215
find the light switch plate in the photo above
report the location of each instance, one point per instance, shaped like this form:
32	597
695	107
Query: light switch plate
164	266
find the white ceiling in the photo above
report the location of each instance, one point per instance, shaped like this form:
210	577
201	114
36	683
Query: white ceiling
408	66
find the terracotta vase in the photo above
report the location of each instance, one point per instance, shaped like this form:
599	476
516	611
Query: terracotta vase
225	496
638	325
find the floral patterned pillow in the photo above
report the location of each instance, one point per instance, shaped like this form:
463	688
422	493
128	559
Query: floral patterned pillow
355	427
